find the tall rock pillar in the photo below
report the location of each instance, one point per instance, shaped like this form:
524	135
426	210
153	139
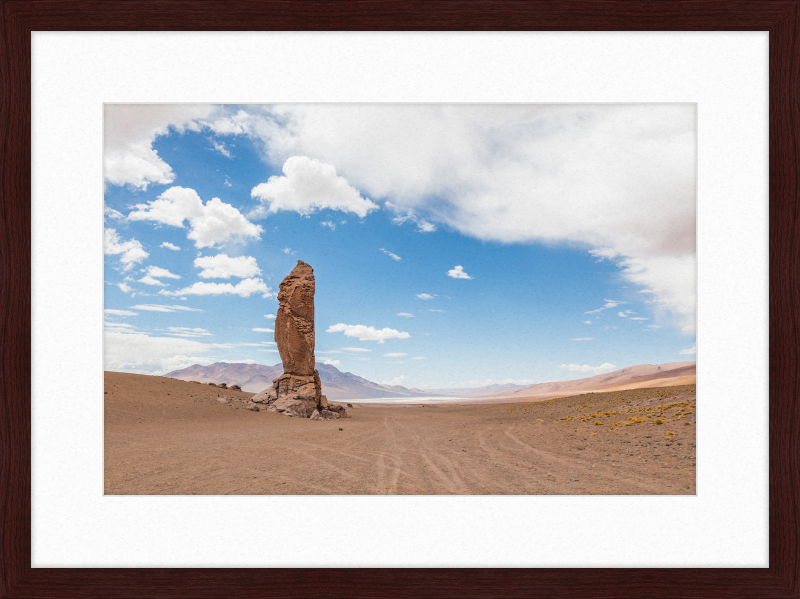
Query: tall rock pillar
298	391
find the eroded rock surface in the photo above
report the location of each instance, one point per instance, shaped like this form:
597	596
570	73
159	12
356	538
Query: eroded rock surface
294	324
298	391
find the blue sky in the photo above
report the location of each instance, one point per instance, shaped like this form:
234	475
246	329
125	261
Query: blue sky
452	245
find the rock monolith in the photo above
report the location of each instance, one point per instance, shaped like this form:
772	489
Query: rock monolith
298	391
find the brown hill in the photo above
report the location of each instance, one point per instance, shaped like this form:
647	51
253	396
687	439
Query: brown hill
633	377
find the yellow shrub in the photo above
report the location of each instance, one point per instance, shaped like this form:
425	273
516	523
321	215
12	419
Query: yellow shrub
658	421
598	423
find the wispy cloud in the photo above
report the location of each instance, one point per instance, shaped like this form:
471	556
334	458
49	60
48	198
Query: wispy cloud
583	339
221	148
187	332
690	350
390	254
603	368
244	288
425	296
404	216
260	330
394	355
162	308
405	315
113	312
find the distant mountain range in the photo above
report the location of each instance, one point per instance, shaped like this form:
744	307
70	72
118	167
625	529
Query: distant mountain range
257	377
340	385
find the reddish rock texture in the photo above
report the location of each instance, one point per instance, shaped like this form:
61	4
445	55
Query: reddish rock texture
298	391
294	324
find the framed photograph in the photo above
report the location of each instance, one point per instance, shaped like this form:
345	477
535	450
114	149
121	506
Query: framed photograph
320	235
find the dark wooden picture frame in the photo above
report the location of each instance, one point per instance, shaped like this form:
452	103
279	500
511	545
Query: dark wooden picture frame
18	18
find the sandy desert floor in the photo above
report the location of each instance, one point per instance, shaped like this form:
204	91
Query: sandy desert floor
170	437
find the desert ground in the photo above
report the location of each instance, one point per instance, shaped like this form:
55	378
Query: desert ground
170	437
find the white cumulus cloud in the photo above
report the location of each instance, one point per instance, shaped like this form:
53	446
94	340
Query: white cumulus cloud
308	185
425	296
405	315
169	246
155	271
129	131
690	350
211	224
458	273
130	252
261	330
336	363
620	178
366	333
148	280
394	355
223	266
354	349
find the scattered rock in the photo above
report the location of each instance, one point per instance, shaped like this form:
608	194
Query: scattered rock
212	384
314	415
338	410
341	429
222	399
328	415
349	405
252	407
235	388
223	385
